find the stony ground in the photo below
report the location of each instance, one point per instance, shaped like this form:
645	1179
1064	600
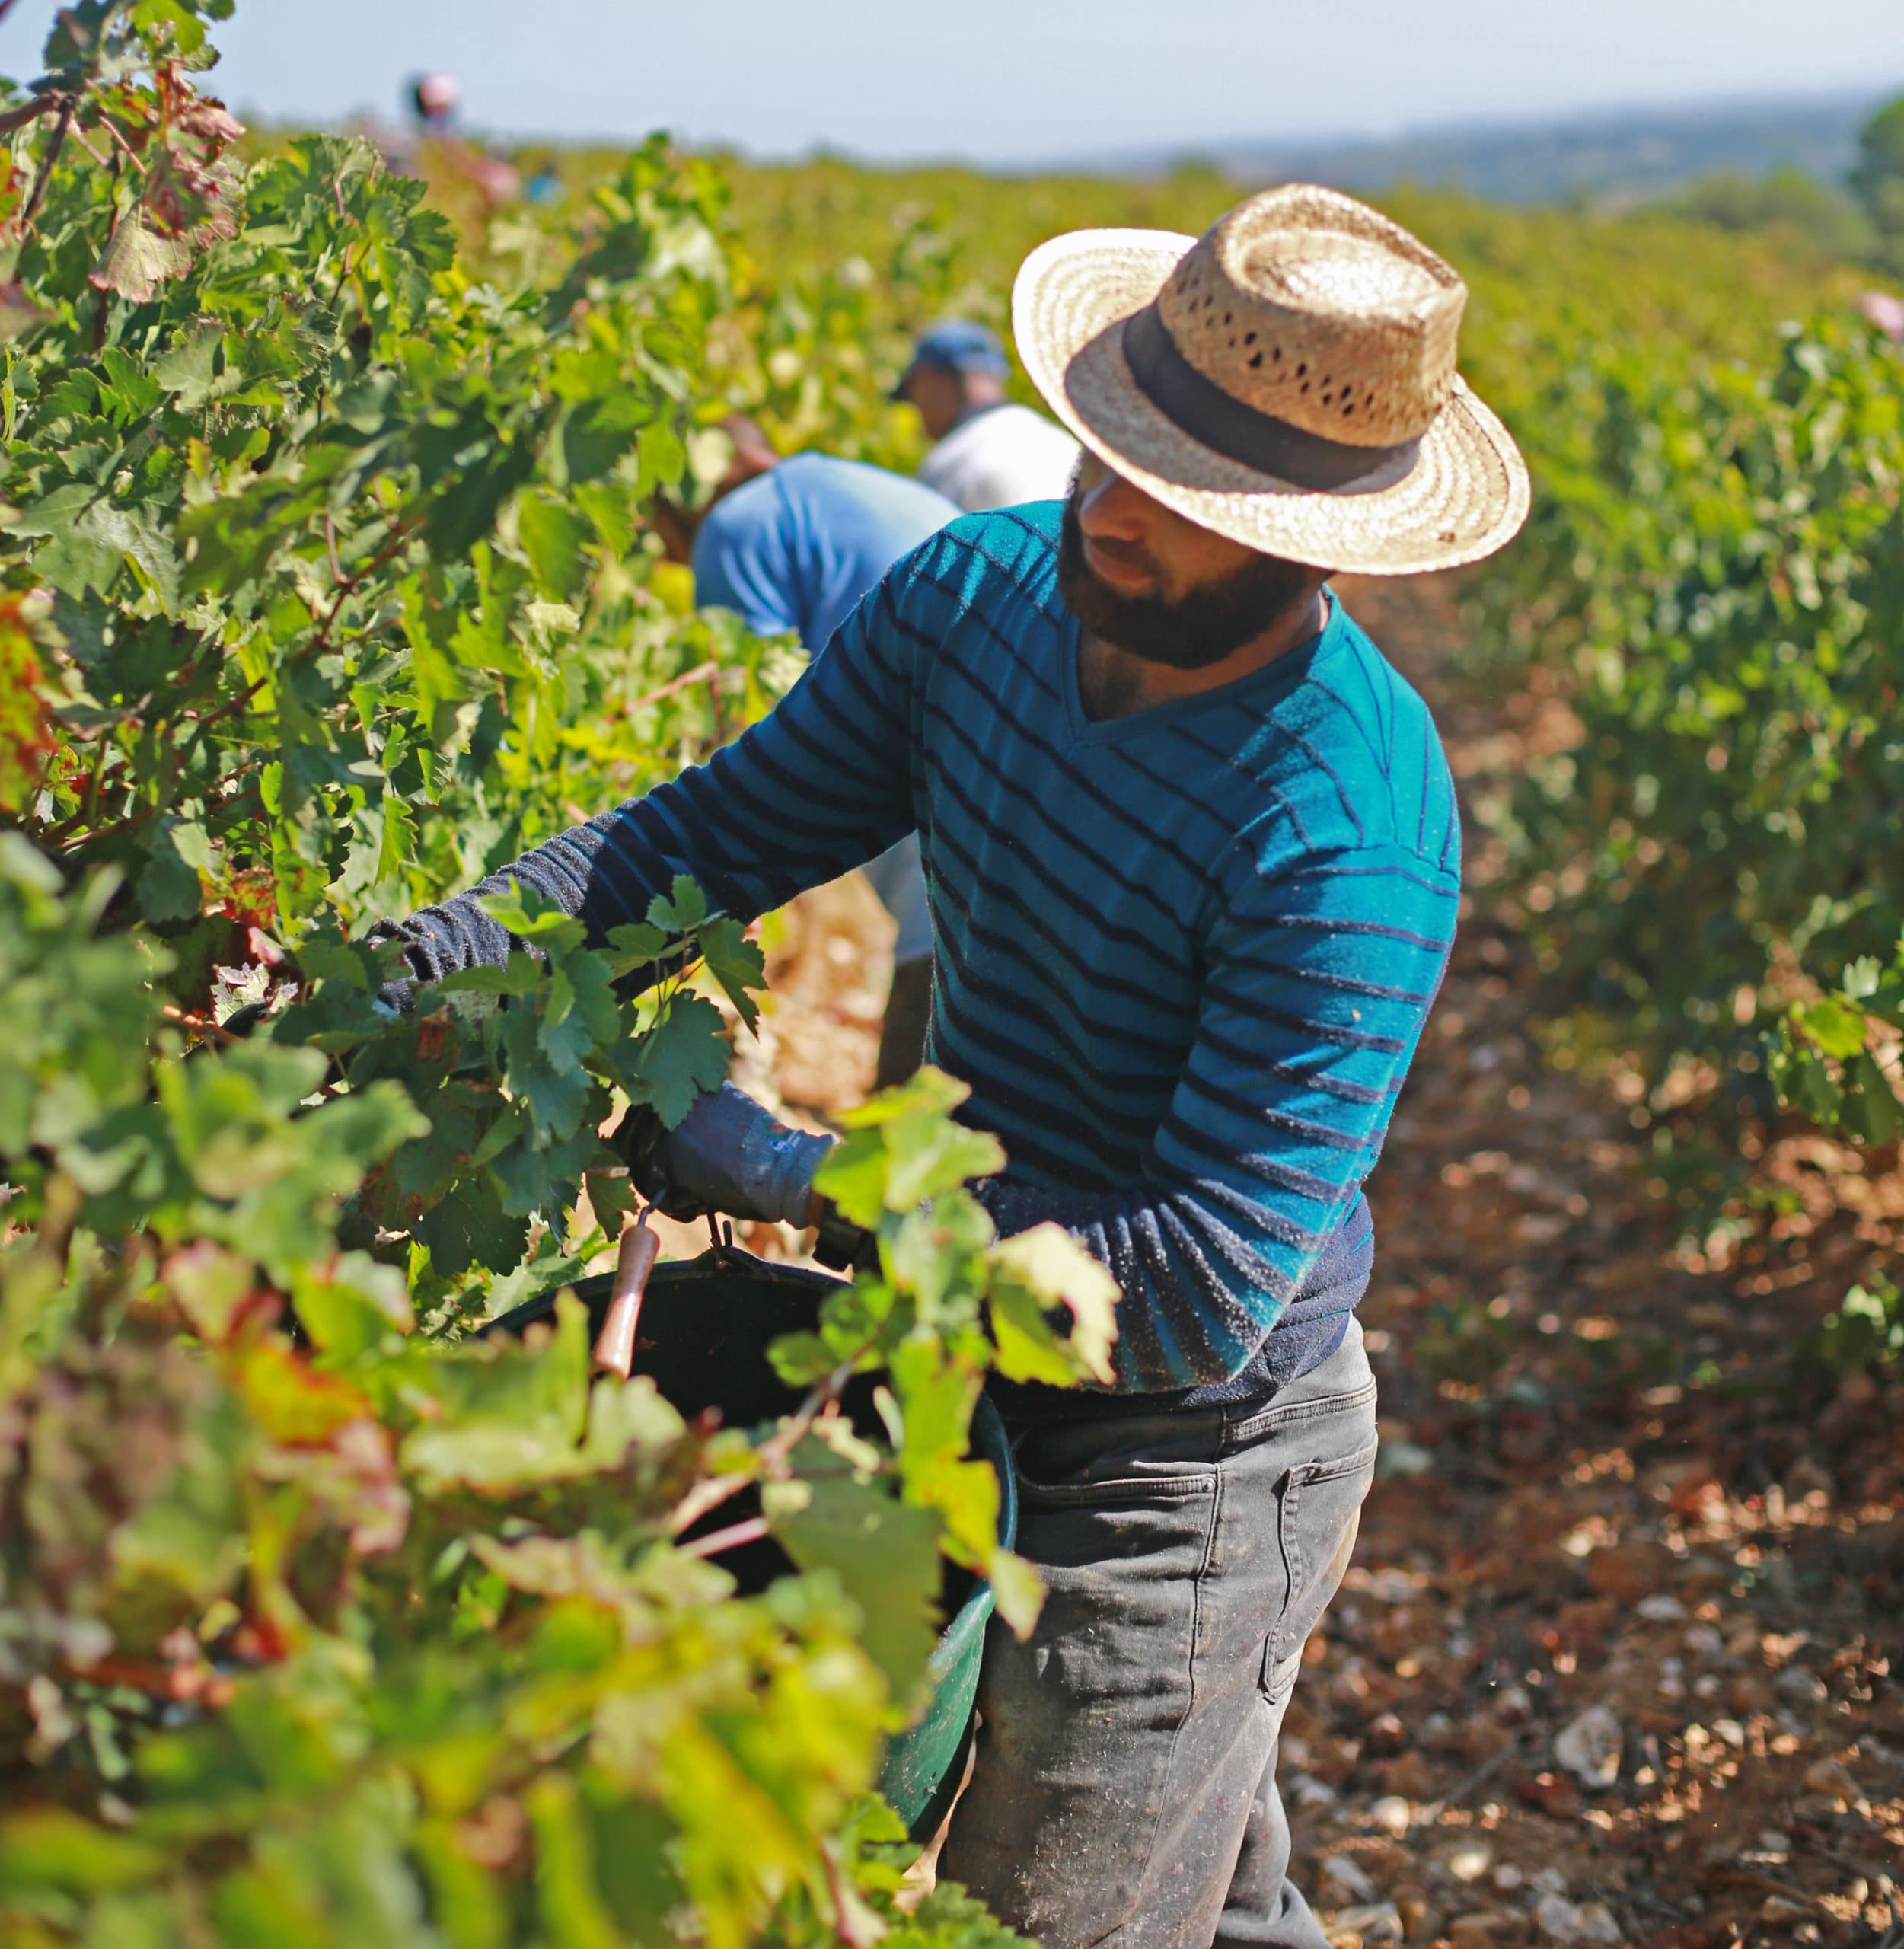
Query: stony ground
1614	1663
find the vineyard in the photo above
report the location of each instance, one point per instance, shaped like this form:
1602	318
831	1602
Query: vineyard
329	583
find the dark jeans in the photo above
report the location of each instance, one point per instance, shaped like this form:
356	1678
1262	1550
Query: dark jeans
1125	1787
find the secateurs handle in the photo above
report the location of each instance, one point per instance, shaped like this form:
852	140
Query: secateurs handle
615	1344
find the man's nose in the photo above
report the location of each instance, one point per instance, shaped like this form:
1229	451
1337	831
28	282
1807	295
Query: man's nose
1112	510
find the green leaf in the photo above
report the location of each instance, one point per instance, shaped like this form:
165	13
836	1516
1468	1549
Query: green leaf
926	1090
1048	1267
606	504
611	1198
211	1286
927	1154
1017	1590
682	1058
351	1306
46	1847
468	1227
90	537
521	974
554	539
735	963
138	259
168	889
581	1013
510	1415
170	20
936	1395
557	1096
852	1174
884	1552
636	947
530	917
1808	1087
1832	1025
686	908
664	459
398	845
189	369
1871	1106
935	1250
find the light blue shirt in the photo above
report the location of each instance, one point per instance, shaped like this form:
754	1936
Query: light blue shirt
797	548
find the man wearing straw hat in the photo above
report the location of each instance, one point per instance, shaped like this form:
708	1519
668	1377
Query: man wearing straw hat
1193	860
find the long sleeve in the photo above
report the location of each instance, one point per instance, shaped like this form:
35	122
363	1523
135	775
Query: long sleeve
1319	983
822	784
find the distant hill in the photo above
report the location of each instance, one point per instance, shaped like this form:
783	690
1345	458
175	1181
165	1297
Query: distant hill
1612	158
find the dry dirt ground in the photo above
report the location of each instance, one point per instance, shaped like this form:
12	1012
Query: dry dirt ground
1615	1660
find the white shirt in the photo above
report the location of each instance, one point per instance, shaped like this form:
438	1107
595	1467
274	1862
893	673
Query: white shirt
1002	455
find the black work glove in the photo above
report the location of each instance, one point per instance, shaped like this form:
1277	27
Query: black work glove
729	1155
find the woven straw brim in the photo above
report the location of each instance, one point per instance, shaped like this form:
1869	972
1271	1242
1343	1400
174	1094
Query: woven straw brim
1467	494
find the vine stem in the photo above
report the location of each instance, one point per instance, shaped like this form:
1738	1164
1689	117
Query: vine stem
27	111
404	530
701	672
102	313
735	1534
201	1024
771	1457
78	135
112	129
853	1925
67	104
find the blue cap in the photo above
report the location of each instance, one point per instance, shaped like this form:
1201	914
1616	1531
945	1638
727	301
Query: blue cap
958	345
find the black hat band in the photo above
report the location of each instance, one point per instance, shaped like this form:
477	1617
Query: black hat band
1228	425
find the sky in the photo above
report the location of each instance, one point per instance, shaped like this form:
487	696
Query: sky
1006	82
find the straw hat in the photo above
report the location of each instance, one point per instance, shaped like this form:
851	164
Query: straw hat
1287	379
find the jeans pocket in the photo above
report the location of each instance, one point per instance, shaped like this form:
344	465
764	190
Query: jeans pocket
1318	1513
1082	1467
1135	1485
1279	1675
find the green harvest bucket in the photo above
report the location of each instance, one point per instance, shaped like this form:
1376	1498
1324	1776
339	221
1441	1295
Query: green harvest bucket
704	1328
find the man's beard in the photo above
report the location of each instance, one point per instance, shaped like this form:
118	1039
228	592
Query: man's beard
1196	630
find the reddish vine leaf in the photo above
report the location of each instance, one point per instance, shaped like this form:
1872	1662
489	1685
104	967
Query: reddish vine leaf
137	259
188	199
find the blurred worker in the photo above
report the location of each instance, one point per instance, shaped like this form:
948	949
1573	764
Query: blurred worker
435	100
990	452
1884	311
792	545
1195	862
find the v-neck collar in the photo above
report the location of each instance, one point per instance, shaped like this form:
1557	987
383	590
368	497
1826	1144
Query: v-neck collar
1271	681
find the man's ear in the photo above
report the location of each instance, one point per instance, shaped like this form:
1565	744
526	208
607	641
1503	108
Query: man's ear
676	526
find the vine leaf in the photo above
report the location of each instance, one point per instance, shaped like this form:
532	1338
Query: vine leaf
682	1057
735	963
1040	1271
138	259
884	1551
553	539
676	912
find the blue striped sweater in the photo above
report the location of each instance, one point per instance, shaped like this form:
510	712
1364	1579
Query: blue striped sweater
1184	957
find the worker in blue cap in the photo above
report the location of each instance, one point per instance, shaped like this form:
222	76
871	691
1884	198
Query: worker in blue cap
988	451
